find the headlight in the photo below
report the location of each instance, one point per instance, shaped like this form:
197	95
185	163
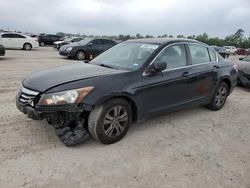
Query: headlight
69	49
65	97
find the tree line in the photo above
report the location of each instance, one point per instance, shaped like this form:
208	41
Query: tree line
237	39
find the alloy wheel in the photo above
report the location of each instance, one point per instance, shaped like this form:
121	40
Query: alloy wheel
115	121
221	95
27	47
80	55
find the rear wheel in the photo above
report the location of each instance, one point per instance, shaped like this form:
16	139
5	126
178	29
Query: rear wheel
80	55
42	44
220	97
110	121
27	46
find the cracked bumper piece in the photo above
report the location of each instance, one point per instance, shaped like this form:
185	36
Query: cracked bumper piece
244	79
71	132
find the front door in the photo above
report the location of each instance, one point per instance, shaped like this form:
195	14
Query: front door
8	40
170	87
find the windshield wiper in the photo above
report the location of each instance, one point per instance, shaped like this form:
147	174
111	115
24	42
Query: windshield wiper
108	66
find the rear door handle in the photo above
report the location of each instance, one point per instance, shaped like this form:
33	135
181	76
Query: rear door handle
185	74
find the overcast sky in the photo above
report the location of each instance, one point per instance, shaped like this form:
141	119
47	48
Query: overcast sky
112	17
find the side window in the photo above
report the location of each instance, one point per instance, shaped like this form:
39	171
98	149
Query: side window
108	42
96	42
175	56
18	36
7	36
199	54
212	55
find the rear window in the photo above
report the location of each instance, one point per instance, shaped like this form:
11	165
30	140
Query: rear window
199	54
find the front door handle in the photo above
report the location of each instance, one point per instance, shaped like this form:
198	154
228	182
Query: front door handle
185	74
216	67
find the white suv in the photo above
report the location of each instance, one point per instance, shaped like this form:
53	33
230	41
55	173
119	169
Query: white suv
18	41
231	49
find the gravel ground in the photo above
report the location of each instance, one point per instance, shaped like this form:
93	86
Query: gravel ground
189	148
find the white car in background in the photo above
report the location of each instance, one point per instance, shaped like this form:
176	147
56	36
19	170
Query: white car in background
231	49
12	40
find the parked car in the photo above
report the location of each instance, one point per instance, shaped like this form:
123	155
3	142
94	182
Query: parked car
18	41
242	51
58	44
2	49
222	51
48	39
231	49
87	48
131	81
244	71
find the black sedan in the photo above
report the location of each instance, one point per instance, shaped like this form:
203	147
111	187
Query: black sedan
132	81
2	50
244	71
86	49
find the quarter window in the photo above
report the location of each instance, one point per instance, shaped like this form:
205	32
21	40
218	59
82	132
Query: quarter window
175	56
199	54
212	55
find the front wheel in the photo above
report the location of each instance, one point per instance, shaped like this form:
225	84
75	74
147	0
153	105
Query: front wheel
219	98
110	121
80	55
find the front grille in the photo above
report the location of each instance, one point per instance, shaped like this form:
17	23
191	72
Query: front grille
27	96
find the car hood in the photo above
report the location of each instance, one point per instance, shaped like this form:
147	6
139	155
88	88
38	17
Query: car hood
243	66
49	78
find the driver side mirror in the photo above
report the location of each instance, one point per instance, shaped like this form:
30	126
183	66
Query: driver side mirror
241	58
159	67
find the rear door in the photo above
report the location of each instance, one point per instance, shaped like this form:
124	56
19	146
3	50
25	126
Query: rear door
107	44
204	71
19	40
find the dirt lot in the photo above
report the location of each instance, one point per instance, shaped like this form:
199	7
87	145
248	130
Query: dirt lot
190	148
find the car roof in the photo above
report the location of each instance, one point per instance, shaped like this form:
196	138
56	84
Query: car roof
160	41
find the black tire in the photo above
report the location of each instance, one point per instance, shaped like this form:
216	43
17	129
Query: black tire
80	55
27	46
42	44
219	98
110	133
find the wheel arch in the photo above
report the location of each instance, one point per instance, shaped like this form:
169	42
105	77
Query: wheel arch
227	80
125	97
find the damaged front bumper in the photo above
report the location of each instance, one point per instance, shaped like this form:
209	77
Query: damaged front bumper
72	124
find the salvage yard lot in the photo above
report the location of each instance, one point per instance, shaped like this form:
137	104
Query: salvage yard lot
190	148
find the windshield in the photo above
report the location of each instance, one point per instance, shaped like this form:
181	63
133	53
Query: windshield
129	56
85	41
